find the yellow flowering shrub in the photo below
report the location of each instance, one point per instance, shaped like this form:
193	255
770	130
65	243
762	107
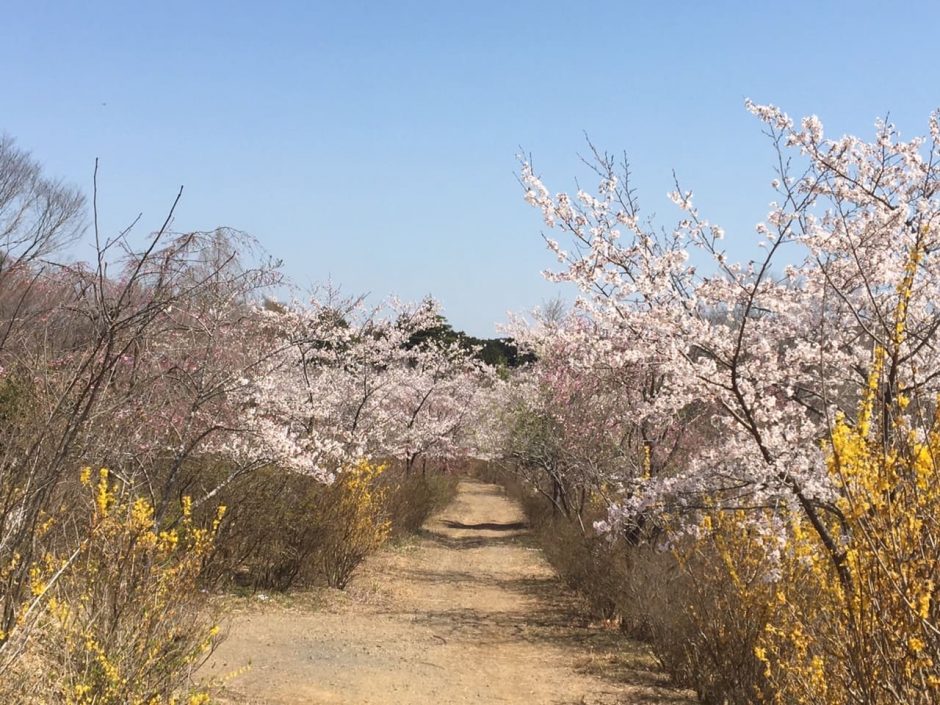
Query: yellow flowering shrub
706	624
875	639
287	530
353	516
124	623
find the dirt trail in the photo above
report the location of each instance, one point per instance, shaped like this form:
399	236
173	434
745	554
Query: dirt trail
469	612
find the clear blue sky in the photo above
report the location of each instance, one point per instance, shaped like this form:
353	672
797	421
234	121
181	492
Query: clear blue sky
375	142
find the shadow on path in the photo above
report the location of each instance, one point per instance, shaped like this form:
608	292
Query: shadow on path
486	526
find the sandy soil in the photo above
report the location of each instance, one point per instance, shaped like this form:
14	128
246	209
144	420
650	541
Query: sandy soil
468	612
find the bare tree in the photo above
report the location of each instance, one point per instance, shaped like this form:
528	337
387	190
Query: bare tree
37	215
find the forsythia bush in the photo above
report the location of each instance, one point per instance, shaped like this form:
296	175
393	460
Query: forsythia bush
706	627
287	530
872	636
871	632
353	510
125	621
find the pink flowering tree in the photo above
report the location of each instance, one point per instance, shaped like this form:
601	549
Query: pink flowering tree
353	382
772	349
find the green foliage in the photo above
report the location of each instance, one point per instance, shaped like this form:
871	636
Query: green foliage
495	352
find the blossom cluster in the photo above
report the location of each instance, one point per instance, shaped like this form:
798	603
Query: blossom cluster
349	382
751	360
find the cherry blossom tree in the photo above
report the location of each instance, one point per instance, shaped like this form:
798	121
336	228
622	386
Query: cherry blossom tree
798	389
351	382
773	348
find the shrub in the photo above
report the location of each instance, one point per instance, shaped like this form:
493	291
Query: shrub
287	529
352	509
123	620
270	534
870	633
701	605
707	602
592	565
410	498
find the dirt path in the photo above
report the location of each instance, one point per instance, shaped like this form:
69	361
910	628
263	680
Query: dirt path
469	612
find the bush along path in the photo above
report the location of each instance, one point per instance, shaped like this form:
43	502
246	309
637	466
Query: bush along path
468	612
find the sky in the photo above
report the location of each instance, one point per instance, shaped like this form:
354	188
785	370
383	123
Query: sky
375	144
